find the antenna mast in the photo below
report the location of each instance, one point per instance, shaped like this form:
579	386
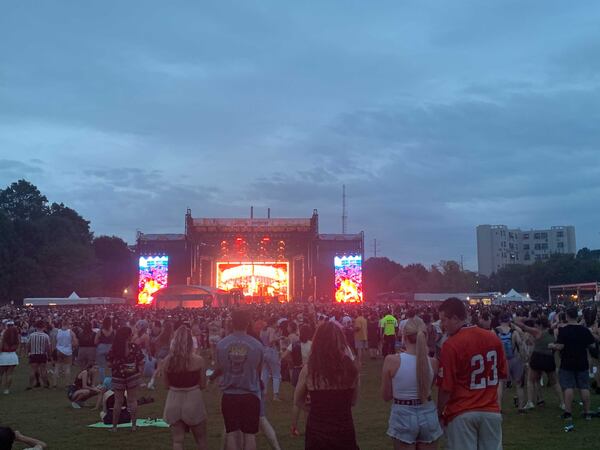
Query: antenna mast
344	213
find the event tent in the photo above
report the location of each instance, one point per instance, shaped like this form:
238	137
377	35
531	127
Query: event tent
513	296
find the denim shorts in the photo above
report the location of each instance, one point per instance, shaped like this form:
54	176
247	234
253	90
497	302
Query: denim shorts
410	424
571	379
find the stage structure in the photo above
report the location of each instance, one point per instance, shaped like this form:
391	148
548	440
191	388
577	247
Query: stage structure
259	259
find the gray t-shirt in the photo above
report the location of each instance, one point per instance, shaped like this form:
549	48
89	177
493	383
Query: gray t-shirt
239	357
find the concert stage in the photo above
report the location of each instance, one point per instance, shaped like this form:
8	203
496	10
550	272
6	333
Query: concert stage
258	259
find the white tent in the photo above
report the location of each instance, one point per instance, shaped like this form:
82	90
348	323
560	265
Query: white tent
513	296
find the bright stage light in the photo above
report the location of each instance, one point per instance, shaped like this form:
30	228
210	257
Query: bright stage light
262	279
153	274
348	279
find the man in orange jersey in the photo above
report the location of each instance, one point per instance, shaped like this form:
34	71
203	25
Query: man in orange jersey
472	364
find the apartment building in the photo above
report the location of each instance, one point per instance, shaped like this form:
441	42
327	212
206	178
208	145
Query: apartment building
498	245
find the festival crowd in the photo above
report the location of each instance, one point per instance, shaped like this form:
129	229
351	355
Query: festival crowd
466	355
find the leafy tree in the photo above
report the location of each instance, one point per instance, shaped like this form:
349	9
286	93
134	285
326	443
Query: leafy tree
23	201
116	264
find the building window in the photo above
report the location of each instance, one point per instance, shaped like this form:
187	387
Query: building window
511	246
538	257
544	246
526	257
560	234
525	235
536	235
560	245
544	235
538	246
525	246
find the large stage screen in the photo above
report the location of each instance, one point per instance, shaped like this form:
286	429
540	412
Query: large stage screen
153	273
348	279
267	280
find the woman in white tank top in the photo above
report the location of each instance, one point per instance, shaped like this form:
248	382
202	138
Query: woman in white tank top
66	341
407	379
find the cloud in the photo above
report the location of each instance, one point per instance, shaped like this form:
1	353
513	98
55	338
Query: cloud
435	119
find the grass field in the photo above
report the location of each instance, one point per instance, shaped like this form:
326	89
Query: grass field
47	414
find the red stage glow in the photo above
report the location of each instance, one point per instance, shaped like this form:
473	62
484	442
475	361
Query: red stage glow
255	279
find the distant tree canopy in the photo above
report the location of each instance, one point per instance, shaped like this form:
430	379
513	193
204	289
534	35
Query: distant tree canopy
384	275
49	250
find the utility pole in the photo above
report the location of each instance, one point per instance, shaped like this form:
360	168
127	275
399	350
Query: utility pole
462	268
344	212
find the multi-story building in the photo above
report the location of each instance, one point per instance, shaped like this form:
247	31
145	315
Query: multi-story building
498	245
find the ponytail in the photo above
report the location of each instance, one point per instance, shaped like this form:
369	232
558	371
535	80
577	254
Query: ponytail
423	366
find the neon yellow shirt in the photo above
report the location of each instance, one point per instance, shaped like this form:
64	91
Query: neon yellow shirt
389	324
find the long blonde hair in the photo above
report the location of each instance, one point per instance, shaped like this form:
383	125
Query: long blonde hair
415	331
180	354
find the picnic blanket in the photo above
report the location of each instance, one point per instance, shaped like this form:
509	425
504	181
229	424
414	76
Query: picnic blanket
159	423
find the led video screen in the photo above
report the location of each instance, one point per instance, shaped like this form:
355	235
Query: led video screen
153	274
258	279
348	279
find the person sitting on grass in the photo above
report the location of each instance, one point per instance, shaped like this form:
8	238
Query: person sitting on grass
8	437
83	388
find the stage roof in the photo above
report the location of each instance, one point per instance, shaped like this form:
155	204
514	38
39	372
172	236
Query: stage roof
245	225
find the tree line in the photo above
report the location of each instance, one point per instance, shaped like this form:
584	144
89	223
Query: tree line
48	250
384	275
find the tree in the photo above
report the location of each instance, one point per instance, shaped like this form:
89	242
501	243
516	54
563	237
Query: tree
44	251
378	272
23	201
116	264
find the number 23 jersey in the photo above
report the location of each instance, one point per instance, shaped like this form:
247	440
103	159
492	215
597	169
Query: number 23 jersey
472	363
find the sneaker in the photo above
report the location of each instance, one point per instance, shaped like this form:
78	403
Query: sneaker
541	403
587	416
569	427
6	392
75	405
566	416
529	405
562	406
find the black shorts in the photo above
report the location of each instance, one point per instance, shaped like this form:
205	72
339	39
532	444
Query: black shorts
542	363
38	359
241	412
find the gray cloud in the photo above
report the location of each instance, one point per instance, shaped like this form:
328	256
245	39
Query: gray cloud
436	119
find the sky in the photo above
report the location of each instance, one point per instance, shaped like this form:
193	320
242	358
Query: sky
437	116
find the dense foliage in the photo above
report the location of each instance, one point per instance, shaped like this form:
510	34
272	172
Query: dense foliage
48	250
384	275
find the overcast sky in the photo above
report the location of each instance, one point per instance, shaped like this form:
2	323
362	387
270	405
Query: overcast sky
438	116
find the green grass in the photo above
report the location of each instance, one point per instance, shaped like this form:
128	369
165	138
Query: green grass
47	414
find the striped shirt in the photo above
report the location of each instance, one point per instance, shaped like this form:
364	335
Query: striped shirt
39	343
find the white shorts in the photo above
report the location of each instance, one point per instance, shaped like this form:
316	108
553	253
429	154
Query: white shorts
9	359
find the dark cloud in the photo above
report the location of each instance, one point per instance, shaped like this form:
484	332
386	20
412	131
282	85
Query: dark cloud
435	119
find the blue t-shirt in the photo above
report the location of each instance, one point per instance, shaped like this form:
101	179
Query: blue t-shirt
239	357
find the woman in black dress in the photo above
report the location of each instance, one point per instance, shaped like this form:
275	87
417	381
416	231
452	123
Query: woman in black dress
126	360
329	381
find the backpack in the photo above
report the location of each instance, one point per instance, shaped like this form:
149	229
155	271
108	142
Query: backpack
506	339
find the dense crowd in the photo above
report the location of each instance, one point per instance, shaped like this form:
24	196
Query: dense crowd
112	354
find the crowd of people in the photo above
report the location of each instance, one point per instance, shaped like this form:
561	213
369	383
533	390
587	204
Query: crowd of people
464	357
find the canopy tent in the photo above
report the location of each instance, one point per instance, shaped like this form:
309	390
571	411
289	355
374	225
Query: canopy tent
513	296
190	296
72	300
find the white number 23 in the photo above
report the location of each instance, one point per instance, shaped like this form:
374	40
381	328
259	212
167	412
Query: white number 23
478	381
